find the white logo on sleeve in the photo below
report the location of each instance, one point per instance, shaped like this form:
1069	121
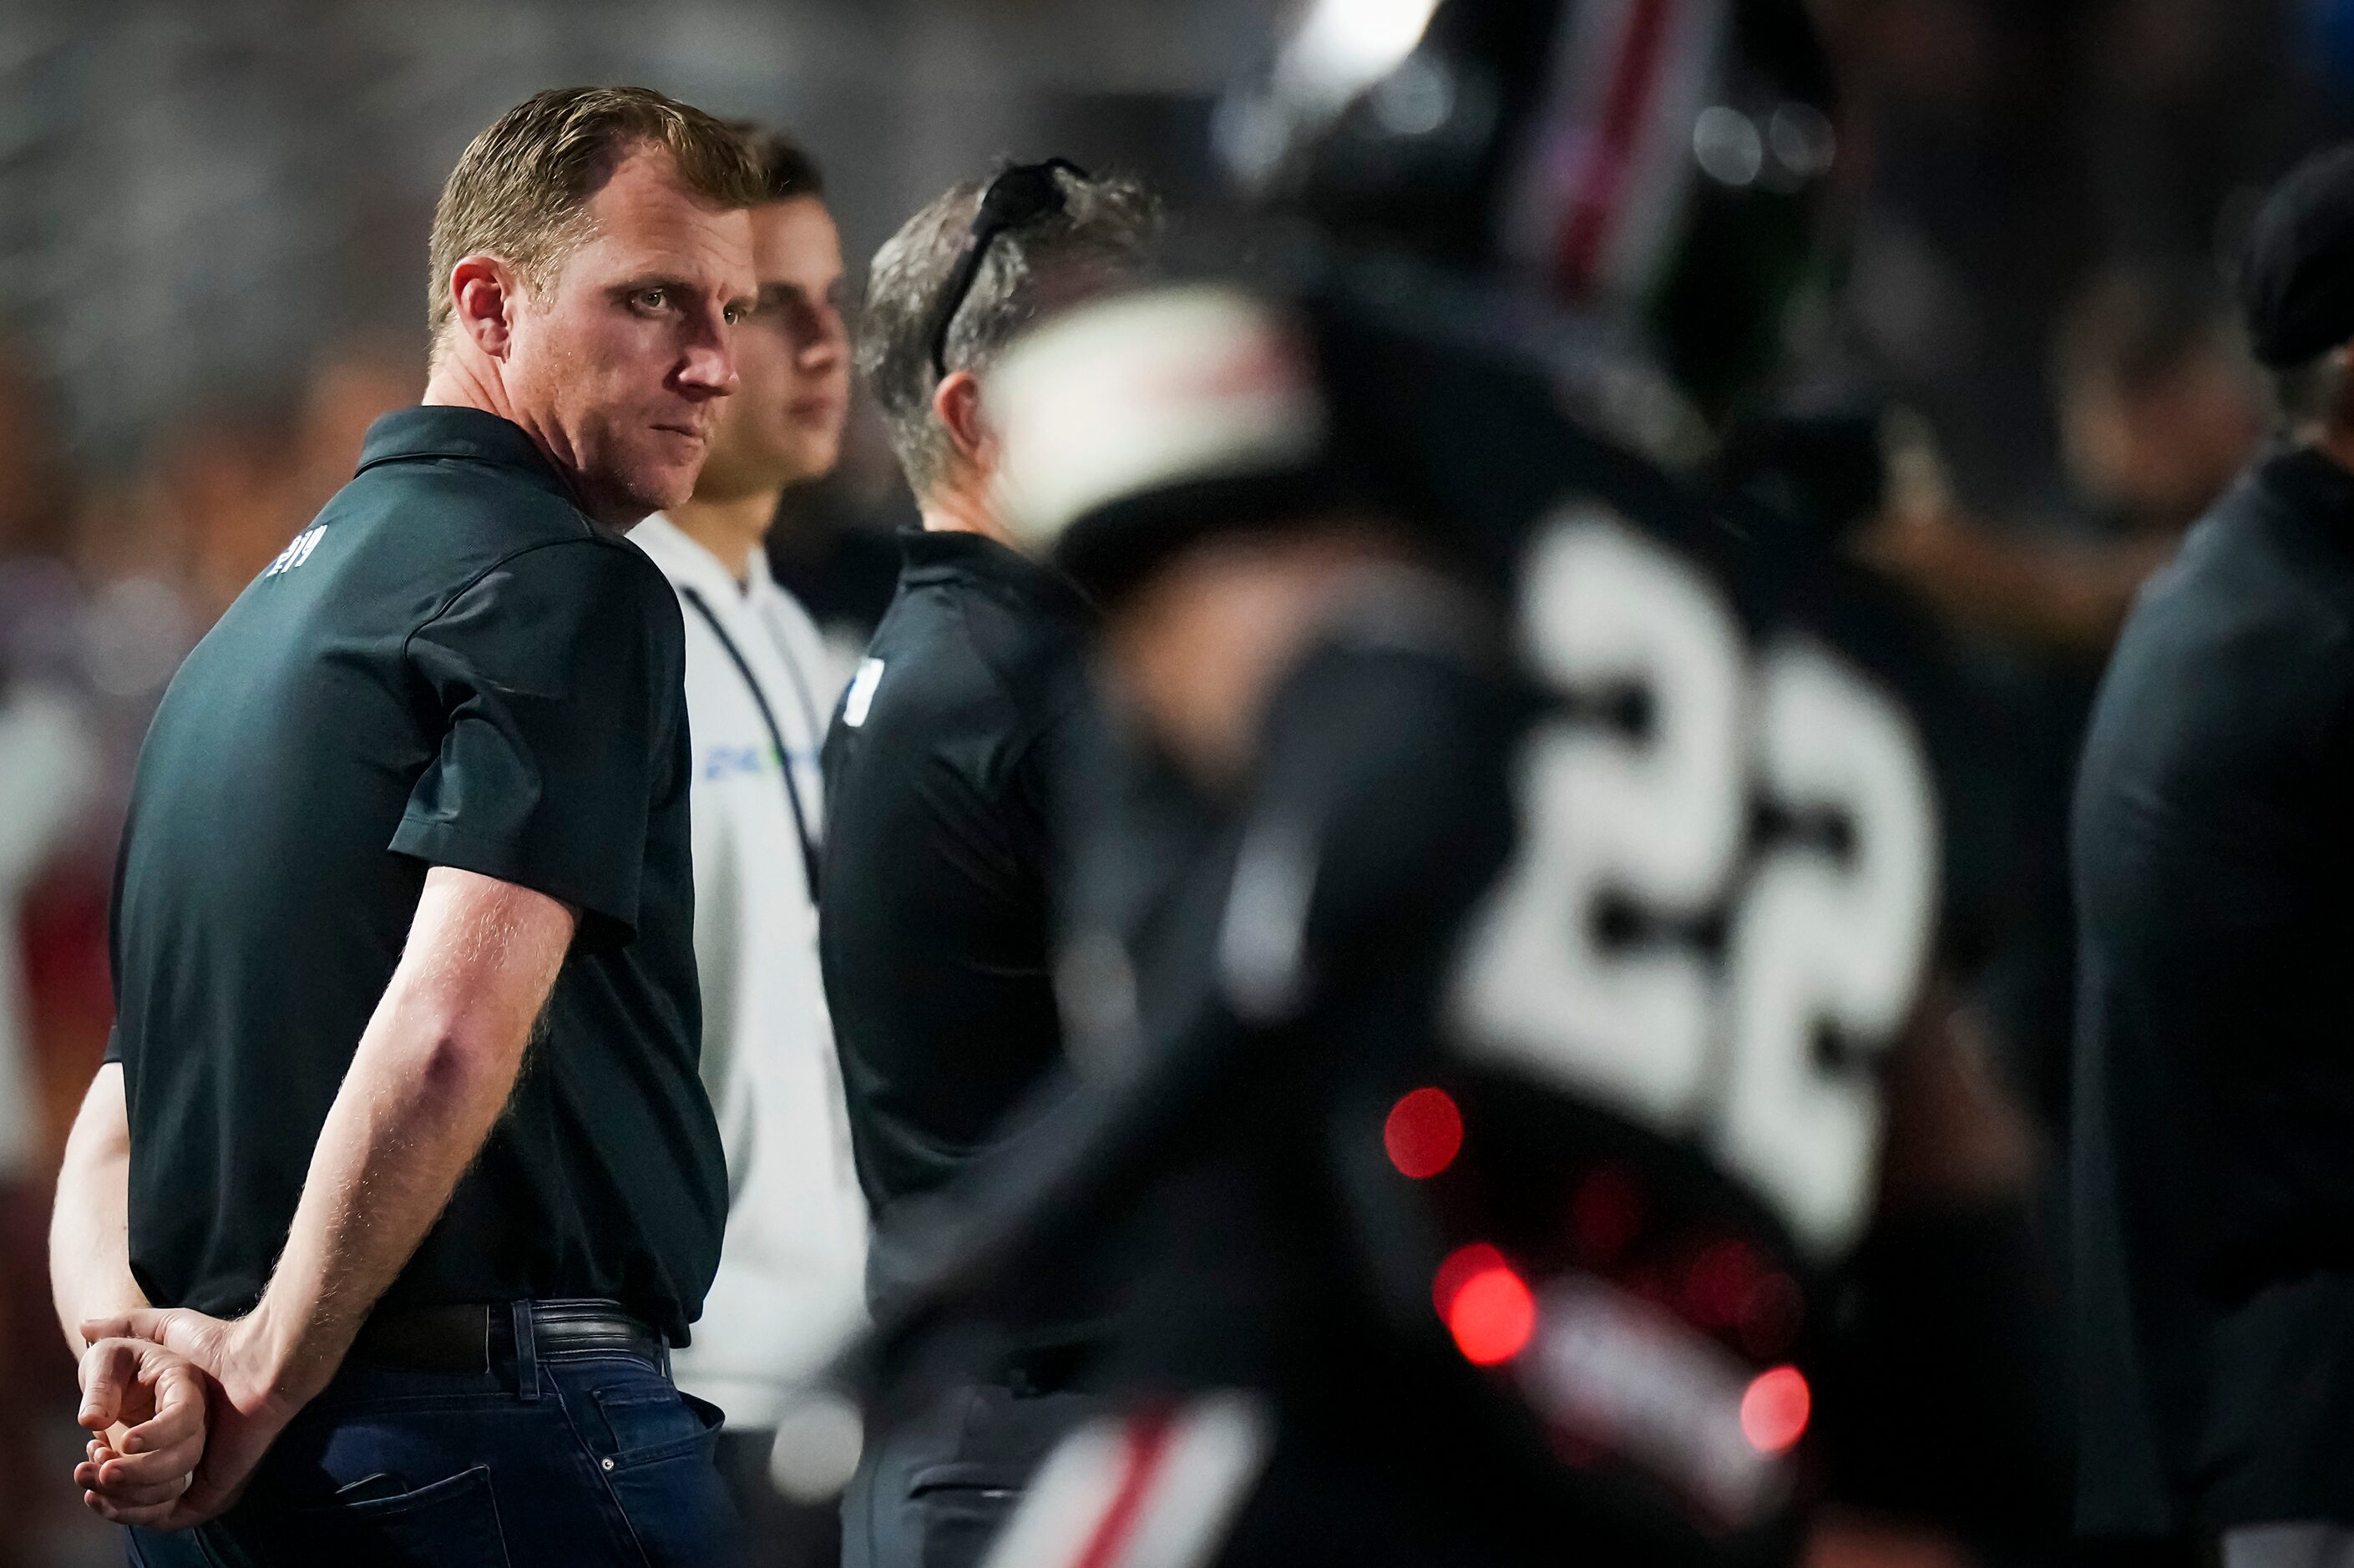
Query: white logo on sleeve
296	553
861	695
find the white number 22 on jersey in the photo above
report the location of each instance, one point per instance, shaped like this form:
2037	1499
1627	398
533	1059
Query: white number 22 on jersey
1815	940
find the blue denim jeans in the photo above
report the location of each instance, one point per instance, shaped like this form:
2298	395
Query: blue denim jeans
576	1460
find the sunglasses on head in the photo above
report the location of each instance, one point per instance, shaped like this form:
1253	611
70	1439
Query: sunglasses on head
1014	199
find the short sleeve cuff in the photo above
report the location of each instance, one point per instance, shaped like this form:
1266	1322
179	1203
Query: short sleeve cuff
114	1049
609	909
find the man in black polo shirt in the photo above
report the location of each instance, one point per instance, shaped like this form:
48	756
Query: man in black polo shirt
402	1105
933	915
2214	852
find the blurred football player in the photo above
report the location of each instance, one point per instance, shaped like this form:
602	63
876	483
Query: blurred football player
1520	870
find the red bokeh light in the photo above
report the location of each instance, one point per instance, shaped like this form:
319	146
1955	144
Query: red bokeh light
1775	1410
1493	1316
1459	1267
1423	1133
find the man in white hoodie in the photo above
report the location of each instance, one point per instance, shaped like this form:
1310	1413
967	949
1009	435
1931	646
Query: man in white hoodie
759	687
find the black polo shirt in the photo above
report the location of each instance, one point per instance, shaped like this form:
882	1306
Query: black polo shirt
933	914
452	666
2214	1108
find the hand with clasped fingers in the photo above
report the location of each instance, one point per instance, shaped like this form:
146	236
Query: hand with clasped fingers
233	1372
146	1406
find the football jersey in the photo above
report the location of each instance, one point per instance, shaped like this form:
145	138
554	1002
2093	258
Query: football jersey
1755	822
1582	877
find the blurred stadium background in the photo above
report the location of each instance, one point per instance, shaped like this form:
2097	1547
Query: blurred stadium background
212	234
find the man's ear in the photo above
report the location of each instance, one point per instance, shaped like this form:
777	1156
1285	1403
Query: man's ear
957	401
482	292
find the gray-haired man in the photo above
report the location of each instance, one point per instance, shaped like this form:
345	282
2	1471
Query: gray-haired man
938	770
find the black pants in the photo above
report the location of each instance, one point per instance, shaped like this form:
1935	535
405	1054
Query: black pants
933	1492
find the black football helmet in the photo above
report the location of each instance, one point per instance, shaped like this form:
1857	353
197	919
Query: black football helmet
1664	163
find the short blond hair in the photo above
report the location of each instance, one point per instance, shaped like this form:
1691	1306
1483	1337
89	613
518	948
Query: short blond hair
520	187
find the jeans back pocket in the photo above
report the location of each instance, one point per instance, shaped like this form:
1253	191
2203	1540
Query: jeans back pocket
452	1523
665	1479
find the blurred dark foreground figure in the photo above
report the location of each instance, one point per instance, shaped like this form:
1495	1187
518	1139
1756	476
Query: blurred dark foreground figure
1515	906
2214	1110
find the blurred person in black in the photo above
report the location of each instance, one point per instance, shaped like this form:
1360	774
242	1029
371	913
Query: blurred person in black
933	931
1488	1058
2213	1196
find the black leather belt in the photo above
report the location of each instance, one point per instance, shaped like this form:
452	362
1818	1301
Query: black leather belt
482	1338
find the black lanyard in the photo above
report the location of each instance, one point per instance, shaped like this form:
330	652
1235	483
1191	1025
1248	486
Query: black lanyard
775	736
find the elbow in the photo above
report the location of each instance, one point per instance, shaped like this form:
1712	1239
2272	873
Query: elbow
456	1068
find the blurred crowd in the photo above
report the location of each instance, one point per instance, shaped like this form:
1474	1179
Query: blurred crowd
2032	278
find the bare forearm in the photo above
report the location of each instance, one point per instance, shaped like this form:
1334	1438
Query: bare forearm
90	1253
410	1117
431	1077
90	1233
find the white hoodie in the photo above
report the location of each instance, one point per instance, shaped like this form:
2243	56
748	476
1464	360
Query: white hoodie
790	1270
